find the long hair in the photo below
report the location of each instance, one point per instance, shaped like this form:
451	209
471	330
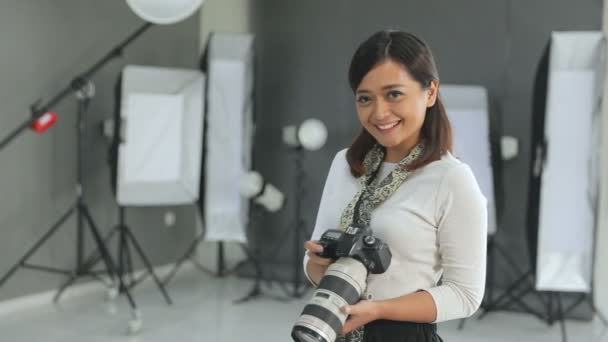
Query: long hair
416	57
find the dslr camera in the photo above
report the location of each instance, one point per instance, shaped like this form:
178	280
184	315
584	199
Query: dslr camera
358	252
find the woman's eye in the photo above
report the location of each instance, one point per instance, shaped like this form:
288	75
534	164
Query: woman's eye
394	94
363	99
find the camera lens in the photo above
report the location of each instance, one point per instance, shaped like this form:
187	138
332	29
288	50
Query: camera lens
306	335
322	318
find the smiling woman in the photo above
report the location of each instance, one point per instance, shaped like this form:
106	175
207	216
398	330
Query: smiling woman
395	80
392	107
400	179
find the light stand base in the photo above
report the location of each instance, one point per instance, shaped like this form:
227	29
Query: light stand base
81	270
127	241
256	289
495	250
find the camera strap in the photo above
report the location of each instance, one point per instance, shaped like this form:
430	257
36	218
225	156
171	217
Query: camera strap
374	191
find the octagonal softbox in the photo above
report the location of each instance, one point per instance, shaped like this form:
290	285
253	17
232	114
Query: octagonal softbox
161	119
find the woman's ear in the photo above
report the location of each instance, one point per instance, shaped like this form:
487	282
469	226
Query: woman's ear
432	93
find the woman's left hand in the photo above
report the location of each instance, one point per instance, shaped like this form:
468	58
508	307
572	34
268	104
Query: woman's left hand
360	314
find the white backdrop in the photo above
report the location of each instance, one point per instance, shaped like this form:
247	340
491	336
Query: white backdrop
467	108
569	181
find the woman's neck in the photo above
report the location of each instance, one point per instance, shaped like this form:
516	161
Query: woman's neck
396	153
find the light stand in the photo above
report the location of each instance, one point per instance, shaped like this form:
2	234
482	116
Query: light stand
310	135
253	257
127	241
300	285
490	303
84	91
264	198
190	252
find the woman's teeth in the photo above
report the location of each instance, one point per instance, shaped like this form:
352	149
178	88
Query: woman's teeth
388	126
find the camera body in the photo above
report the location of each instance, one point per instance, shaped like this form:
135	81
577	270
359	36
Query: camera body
357	243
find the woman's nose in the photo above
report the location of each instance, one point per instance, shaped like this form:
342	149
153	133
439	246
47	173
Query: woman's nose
381	110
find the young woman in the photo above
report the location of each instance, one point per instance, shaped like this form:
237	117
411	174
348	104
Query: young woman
400	178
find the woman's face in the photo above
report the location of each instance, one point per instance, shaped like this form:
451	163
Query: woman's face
392	106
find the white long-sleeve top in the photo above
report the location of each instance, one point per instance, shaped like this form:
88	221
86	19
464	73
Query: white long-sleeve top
435	225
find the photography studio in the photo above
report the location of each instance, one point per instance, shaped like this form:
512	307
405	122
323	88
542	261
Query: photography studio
308	171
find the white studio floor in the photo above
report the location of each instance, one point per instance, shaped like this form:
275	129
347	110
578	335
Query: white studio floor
203	310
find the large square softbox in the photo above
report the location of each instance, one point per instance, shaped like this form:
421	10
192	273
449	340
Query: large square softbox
467	108
229	135
567	162
159	158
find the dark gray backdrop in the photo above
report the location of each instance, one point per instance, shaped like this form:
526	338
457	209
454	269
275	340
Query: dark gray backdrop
304	48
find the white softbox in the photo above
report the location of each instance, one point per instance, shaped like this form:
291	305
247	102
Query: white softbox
467	108
229	135
159	158
569	173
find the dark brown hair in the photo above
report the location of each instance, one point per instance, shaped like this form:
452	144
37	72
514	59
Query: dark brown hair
416	57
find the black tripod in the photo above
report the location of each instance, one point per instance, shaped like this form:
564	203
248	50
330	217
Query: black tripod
253	257
84	91
494	251
190	252
551	302
127	241
82	212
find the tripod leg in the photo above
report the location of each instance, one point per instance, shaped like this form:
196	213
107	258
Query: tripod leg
64	286
121	259
256	289
525	307
461	323
37	245
490	278
596	311
551	317
184	257
496	303
95	257
144	258
132	281
601	316
580	299
106	256
508	259
561	317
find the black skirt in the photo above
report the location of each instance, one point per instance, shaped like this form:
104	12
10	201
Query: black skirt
395	331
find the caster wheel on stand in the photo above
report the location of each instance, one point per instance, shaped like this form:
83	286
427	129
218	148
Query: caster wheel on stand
112	293
136	323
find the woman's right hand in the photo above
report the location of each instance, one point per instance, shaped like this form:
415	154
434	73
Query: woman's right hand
316	266
314	249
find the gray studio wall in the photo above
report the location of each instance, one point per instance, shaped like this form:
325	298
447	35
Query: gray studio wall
44	44
304	48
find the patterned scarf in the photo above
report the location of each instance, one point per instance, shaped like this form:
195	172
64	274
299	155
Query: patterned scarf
373	192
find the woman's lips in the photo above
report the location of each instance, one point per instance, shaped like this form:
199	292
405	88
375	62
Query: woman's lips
388	126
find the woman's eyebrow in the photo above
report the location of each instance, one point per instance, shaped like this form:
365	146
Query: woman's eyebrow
388	86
